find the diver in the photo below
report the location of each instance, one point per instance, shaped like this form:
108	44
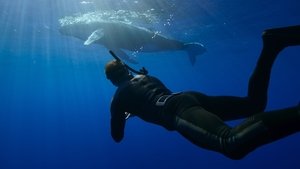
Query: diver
201	118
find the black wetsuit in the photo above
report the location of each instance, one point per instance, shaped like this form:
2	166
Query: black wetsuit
200	118
137	97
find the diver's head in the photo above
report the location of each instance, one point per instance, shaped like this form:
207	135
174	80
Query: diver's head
117	72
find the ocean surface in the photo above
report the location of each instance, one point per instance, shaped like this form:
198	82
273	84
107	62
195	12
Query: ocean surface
55	99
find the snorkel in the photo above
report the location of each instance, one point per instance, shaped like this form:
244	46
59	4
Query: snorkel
142	71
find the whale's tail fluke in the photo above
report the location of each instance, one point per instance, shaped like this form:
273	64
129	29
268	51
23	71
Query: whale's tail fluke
194	49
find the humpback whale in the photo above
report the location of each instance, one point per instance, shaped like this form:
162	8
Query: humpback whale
120	36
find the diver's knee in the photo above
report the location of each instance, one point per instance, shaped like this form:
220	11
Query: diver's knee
260	107
257	105
232	145
235	155
232	150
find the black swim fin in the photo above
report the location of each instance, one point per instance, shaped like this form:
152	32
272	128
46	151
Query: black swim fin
285	36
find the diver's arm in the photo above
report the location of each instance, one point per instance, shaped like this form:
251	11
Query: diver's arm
117	122
117	125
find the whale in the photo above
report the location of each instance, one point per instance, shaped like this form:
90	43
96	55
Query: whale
121	36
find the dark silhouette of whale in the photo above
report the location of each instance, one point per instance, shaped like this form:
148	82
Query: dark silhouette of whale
118	35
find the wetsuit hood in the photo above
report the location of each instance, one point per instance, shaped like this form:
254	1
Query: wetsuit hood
117	72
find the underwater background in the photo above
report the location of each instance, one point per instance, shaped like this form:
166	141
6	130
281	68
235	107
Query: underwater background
55	99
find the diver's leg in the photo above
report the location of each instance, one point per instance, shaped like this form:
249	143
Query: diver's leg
202	128
274	41
206	130
194	122
230	107
227	107
261	129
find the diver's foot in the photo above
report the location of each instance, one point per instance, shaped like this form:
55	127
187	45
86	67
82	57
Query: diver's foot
282	37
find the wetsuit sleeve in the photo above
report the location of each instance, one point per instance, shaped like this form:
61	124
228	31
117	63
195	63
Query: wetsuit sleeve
117	122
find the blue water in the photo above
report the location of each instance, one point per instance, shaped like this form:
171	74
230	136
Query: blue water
54	97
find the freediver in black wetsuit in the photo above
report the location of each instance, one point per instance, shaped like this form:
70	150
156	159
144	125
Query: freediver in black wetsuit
200	118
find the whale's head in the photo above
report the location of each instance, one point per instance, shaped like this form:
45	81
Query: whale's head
68	30
78	30
79	27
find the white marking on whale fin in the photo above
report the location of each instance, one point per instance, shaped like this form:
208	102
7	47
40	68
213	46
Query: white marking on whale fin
124	55
96	35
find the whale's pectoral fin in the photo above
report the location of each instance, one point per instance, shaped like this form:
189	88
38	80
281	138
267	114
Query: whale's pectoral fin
96	35
124	56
